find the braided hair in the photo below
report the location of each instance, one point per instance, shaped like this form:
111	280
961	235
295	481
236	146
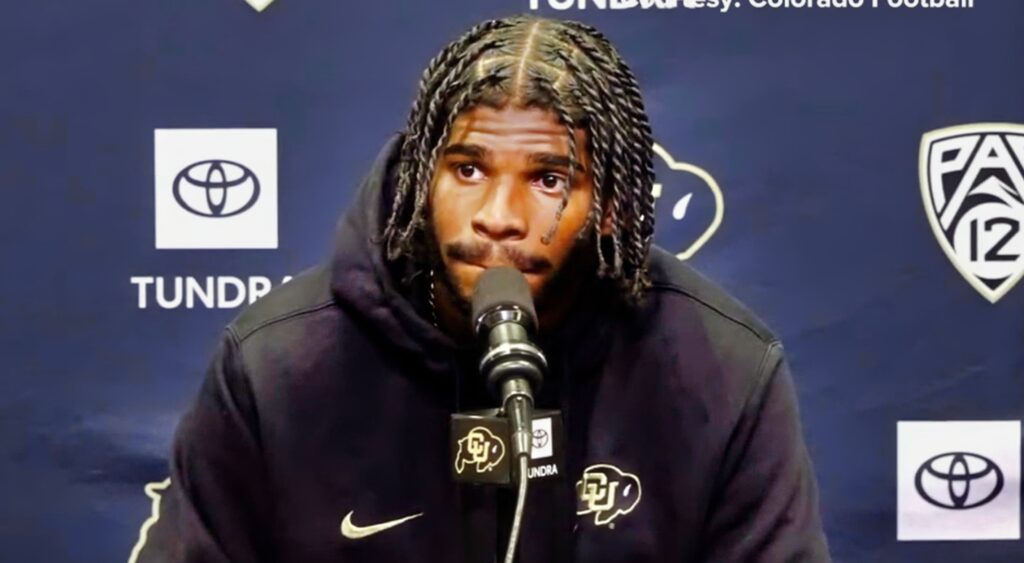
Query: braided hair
564	66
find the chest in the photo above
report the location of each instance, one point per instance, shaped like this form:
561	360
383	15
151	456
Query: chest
369	477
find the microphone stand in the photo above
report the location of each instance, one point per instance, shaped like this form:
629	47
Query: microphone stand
513	366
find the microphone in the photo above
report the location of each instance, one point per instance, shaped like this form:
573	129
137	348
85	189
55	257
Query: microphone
505	319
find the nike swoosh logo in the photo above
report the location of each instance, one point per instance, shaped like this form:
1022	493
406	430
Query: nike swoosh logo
353	532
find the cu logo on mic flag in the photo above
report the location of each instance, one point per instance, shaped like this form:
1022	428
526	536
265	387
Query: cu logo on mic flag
481	449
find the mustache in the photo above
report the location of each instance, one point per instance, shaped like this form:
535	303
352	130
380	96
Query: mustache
480	251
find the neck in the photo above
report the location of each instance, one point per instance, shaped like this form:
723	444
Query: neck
448	317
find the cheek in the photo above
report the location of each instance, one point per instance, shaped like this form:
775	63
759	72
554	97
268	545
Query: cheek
444	212
447	215
574	218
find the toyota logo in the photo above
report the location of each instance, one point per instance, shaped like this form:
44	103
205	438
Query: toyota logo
216	188
540	438
959	480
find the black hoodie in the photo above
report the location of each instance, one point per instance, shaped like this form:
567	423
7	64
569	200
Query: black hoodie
321	429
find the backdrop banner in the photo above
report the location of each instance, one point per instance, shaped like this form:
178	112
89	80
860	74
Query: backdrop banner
849	169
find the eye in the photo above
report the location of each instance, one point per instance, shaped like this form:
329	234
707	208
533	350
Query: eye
551	182
465	171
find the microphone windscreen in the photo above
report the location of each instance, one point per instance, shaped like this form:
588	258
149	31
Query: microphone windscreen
502	286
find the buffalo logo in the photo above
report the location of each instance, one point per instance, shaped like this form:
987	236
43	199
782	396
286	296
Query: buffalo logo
959	480
972	184
216	188
607	492
479	447
689	206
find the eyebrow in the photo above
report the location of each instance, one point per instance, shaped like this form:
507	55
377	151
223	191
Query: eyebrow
472	151
481	153
556	160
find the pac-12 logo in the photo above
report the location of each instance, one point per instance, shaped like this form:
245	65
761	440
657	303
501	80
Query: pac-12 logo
479	447
972	184
607	492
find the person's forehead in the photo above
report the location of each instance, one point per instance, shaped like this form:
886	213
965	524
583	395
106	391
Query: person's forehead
510	128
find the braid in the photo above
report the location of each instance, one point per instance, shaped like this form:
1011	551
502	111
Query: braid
570	69
424	165
601	145
604	87
408	171
631	119
625	85
570	127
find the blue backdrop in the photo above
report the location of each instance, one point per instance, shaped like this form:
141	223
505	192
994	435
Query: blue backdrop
809	121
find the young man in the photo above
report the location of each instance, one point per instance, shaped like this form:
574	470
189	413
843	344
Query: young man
321	432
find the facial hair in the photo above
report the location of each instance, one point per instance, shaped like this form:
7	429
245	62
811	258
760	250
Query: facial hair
580	263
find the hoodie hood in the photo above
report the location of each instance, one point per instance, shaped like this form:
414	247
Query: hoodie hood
363	282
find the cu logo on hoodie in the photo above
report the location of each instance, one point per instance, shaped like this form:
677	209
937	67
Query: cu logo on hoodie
607	492
479	447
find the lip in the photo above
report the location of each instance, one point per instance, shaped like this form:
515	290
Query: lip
487	266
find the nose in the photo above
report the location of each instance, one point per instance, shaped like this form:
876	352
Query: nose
500	215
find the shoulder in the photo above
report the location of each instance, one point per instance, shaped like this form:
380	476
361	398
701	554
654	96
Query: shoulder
305	295
675	283
720	336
